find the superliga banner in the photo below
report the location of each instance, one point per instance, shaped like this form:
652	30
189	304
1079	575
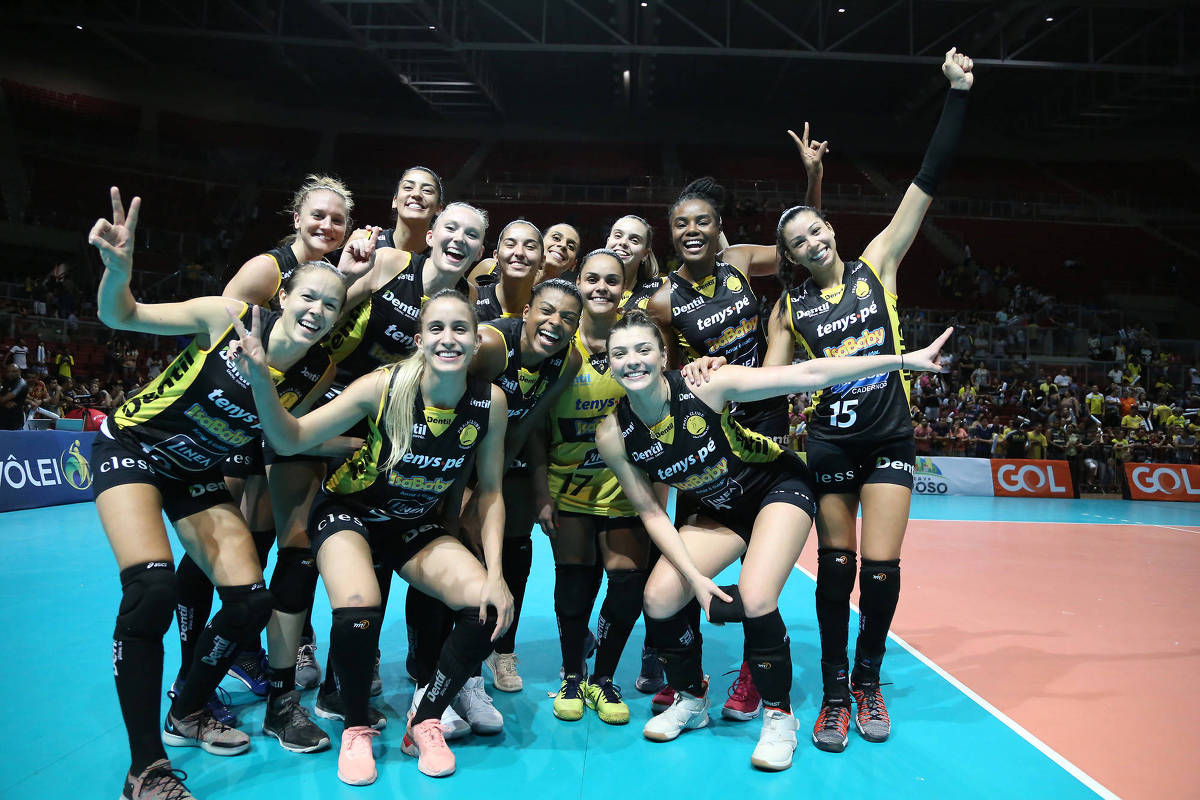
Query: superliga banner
44	468
945	475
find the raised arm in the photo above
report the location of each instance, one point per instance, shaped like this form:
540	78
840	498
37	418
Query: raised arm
760	259
747	383
640	492
489	471
811	153
781	344
887	249
115	304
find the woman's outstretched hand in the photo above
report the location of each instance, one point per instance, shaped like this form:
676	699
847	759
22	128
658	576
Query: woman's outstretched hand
929	358
115	239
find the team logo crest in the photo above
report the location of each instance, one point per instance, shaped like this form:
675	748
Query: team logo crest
862	289
695	425
468	434
733	283
289	399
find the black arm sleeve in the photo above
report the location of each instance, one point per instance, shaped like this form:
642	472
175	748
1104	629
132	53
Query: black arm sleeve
941	148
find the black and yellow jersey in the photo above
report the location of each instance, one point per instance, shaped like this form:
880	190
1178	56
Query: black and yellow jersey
719	316
702	452
380	330
639	296
522	386
579	479
442	441
287	262
386	238
856	317
487	304
199	410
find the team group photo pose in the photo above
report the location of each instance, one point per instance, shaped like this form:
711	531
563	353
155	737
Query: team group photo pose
553	433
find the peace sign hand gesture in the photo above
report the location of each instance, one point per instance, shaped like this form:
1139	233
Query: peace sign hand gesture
248	353
811	152
958	69
115	239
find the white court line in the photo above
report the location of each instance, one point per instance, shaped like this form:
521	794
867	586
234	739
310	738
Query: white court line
1108	521
1173	528
1013	725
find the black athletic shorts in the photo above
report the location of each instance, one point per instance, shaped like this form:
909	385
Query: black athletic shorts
393	541
794	488
114	464
844	468
244	465
271	457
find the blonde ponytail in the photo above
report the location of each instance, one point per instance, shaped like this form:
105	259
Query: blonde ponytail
403	385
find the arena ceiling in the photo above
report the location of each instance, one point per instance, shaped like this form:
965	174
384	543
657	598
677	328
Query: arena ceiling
1055	71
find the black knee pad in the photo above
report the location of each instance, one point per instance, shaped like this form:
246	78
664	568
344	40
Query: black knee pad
879	585
766	636
625	590
148	600
678	650
244	611
357	621
574	592
879	593
294	580
769	655
835	574
262	544
720	612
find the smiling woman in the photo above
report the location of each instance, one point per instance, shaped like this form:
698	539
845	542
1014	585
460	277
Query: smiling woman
427	422
519	257
161	452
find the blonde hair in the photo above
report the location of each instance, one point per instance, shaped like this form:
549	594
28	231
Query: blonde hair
404	383
315	183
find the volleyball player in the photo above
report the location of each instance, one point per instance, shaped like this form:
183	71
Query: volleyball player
758	500
161	453
519	257
590	521
320	211
562	252
632	238
380	330
860	440
425	420
531	360
418	199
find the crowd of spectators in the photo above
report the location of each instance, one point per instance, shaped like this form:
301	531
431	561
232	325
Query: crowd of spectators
1135	414
43	382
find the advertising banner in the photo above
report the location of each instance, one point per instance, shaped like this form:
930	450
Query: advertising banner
44	468
1179	482
1031	478
938	475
